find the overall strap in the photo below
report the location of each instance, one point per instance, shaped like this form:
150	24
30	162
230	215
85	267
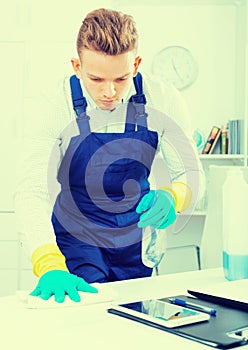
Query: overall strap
136	113
79	105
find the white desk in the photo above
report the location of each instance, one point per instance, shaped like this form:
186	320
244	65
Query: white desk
91	327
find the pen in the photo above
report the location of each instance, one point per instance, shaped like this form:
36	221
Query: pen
193	306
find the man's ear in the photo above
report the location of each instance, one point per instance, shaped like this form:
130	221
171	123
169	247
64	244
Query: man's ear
76	66
137	62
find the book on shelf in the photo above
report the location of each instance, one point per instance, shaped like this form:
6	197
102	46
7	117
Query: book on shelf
235	126
212	140
224	143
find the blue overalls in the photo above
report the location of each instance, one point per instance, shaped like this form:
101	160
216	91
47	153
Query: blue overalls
103	177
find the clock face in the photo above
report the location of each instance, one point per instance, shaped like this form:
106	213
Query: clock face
176	65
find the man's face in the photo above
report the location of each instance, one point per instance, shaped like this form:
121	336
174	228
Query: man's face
106	78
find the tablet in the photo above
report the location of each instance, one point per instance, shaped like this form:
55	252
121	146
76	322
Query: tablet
159	312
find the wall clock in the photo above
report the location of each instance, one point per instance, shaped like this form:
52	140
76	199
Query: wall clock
176	65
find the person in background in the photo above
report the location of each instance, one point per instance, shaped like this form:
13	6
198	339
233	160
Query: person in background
94	142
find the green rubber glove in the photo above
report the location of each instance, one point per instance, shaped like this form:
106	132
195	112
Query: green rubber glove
59	283
159	209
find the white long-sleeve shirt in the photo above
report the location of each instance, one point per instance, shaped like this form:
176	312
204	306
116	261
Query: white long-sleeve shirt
50	124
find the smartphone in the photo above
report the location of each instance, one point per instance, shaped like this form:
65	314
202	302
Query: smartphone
160	312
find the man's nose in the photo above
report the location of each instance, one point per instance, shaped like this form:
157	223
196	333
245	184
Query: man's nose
109	90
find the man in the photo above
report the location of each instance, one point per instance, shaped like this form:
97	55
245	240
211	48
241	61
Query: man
102	159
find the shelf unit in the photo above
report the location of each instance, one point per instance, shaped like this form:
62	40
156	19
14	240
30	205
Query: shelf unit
232	157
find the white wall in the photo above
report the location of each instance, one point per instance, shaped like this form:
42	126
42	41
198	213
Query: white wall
209	32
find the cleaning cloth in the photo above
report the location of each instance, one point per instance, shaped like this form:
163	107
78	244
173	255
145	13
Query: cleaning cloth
105	294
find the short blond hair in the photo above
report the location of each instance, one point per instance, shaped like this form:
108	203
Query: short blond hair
107	31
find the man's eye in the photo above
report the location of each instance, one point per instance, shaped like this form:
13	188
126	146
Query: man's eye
121	79
95	79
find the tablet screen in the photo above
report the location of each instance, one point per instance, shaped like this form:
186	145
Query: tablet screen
161	312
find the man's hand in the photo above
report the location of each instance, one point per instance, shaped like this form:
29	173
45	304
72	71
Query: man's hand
59	283
159	209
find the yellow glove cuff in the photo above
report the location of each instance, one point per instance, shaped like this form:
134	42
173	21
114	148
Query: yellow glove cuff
47	257
182	194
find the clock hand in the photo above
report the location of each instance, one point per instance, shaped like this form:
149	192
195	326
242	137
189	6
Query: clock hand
175	69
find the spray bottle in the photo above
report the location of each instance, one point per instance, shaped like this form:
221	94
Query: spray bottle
153	246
